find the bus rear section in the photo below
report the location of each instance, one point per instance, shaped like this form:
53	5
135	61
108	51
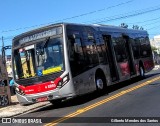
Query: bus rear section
113	53
129	53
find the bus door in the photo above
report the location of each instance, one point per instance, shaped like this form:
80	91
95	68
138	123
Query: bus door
129	55
111	59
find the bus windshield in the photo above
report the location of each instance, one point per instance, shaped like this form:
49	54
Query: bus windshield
39	59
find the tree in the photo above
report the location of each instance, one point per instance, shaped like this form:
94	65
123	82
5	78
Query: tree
153	48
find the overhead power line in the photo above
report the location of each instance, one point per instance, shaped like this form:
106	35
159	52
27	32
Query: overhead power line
132	14
96	11
155	27
129	15
151	23
11	37
77	16
153	19
8	37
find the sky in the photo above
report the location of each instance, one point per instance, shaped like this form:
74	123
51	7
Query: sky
19	16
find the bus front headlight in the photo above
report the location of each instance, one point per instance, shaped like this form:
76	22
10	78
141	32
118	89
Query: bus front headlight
62	81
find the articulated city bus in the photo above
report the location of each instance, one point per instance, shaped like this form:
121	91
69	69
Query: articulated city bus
65	60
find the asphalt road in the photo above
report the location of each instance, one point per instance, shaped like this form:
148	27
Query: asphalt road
134	98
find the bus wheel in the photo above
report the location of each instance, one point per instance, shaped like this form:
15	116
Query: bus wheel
100	84
141	71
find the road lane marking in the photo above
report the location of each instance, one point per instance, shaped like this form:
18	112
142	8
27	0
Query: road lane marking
82	110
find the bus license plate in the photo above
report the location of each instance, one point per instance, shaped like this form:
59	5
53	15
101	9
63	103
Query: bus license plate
41	99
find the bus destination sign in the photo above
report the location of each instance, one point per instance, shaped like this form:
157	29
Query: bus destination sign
47	33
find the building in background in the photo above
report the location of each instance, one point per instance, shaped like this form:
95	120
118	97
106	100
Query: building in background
155	43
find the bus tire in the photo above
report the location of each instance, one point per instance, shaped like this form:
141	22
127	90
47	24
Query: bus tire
101	84
141	72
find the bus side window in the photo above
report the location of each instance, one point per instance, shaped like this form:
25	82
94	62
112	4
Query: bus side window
70	50
78	51
119	48
136	48
76	56
90	49
145	48
102	52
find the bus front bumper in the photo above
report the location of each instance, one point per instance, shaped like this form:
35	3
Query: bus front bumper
44	96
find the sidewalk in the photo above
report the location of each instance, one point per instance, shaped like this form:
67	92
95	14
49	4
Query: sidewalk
156	67
15	108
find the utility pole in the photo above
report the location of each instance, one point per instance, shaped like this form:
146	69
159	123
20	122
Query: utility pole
2	42
6	94
3	51
2	45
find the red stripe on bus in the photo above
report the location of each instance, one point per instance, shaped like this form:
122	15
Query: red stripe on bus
41	87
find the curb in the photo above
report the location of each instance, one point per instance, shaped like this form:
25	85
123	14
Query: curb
25	111
31	110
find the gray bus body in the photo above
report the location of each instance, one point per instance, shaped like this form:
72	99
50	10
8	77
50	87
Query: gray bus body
85	58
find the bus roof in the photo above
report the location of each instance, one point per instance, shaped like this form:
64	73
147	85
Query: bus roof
111	28
97	27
